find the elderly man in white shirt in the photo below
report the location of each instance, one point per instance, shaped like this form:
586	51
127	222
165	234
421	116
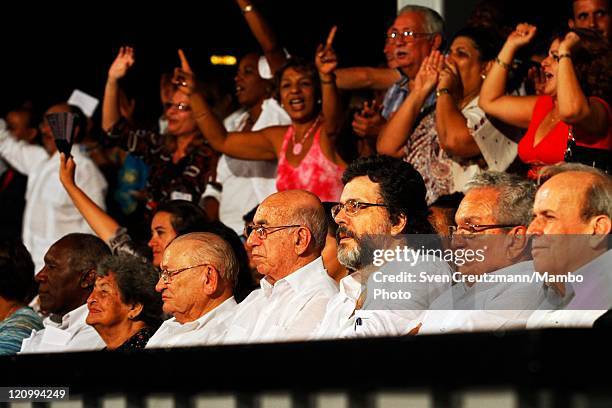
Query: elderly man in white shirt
571	227
287	236
65	283
198	275
251	180
492	218
49	213
383	199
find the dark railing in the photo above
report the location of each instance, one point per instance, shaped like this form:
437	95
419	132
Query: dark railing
561	362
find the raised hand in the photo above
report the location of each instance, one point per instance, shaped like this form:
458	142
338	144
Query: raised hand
569	43
66	171
183	77
427	77
368	122
122	63
450	79
521	36
325	58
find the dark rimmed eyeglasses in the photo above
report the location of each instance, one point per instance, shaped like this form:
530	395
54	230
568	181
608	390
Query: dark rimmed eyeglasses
166	275
469	228
406	35
352	207
262	232
180	106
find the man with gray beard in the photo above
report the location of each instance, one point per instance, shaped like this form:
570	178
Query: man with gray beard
383	199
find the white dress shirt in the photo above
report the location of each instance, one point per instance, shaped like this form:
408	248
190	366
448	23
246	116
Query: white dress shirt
339	314
485	306
289	310
206	330
583	302
245	183
72	334
49	213
380	317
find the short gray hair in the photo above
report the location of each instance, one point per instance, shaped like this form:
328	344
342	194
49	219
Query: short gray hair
434	23
315	220
516	196
136	281
211	248
598	198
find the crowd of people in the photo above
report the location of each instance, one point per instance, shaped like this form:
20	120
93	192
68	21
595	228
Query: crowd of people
261	225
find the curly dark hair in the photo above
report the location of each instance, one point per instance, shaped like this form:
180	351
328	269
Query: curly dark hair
592	61
16	272
303	66
401	187
136	281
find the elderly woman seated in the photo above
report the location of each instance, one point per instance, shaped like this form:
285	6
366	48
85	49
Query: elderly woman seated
123	307
17	289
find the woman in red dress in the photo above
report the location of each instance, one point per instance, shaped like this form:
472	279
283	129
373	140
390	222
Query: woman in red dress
574	109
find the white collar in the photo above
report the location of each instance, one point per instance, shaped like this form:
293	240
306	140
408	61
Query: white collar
70	319
298	280
200	322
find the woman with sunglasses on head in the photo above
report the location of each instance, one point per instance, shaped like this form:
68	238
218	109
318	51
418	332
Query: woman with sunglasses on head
572	121
181	161
305	150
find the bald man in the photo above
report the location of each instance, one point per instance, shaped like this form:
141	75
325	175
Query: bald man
198	274
571	227
286	237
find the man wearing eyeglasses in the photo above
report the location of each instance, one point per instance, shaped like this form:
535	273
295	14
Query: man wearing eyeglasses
416	32
571	229
383	200
287	236
198	275
492	218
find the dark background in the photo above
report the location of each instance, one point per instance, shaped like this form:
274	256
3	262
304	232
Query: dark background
51	48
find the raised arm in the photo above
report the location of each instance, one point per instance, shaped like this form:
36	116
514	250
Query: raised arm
103	224
264	35
515	110
575	107
366	78
326	62
118	69
244	145
392	138
451	125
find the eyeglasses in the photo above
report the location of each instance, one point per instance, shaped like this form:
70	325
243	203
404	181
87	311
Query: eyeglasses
180	106
408	36
469	228
166	275
263	232
352	207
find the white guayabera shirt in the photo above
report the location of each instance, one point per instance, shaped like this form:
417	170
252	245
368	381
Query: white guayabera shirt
71	334
289	310
207	330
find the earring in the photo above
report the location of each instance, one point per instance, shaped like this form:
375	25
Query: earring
483	76
319	101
